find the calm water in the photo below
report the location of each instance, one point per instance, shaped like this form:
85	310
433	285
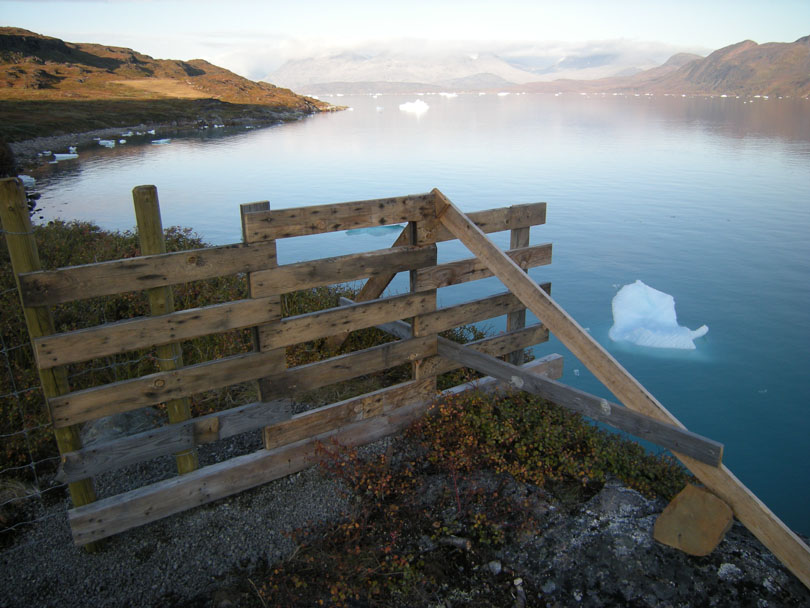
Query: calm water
705	199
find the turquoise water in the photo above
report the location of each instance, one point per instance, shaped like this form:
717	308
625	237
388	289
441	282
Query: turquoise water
704	199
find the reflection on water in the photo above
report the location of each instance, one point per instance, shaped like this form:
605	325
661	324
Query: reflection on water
704	199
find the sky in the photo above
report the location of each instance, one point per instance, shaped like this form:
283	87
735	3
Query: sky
253	37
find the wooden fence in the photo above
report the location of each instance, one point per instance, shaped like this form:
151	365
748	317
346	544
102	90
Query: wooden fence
290	439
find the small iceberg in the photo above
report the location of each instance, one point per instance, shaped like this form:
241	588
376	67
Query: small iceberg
448	95
73	149
646	317
151	131
122	141
107	143
27	181
44	153
65	156
414	107
503	93
160	142
127	134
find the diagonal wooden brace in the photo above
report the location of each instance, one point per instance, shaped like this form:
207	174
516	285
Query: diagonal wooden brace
750	510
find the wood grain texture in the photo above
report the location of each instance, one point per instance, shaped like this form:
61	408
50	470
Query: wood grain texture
48	287
318	219
142	333
471	269
161	303
518	239
473	312
750	510
335	415
341	269
171	438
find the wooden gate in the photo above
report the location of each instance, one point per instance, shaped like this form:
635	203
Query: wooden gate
289	440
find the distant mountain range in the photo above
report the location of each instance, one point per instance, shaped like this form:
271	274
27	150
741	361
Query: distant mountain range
36	67
745	68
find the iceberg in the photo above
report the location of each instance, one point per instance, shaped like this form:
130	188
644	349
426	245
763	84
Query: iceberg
646	317
65	156
414	107
107	143
160	142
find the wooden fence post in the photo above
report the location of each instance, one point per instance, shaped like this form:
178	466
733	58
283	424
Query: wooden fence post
161	302
519	237
24	256
421	235
260	334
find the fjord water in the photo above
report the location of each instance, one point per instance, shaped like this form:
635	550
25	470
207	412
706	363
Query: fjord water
705	199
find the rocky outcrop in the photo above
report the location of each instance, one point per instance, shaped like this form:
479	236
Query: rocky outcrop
603	554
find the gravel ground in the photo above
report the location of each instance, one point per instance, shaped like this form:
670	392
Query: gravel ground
172	560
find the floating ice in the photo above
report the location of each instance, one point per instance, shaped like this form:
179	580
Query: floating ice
122	141
28	181
159	142
44	153
127	134
503	93
414	107
65	156
151	131
107	143
449	95
72	149
646	317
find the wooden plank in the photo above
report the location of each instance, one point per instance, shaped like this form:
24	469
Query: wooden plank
91	403
518	239
342	269
497	220
144	332
310	326
156	501
144	272
171	438
471	269
497	346
318	219
660	433
336	415
473	312
761	521
303	378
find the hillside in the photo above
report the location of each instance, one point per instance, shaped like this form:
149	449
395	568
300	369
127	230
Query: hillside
40	72
745	68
